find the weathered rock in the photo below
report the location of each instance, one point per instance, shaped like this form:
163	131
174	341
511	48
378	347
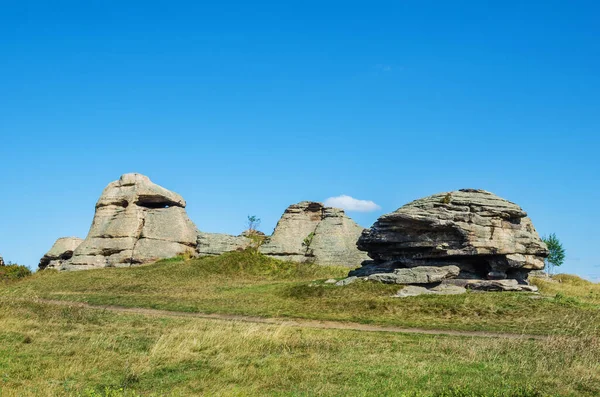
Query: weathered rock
498	285
346	281
330	281
483	234
136	221
417	275
442	289
61	251
2	262
491	285
308	231
211	244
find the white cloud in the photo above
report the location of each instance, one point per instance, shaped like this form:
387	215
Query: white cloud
351	204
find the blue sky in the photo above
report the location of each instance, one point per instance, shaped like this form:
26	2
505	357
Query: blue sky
246	107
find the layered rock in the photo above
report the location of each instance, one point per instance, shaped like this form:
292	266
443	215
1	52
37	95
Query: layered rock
212	244
486	236
309	231
136	221
417	275
61	251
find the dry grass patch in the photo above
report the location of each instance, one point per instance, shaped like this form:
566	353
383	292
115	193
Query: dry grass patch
65	351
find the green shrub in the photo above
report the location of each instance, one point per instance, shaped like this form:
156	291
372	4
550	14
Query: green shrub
13	272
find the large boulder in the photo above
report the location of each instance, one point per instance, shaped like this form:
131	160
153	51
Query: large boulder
309	231
486	236
136	221
61	251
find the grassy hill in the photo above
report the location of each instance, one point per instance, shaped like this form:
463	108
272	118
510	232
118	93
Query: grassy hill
50	350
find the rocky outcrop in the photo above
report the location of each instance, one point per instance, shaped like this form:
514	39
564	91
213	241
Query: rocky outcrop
212	244
61	251
309	231
136	221
487	237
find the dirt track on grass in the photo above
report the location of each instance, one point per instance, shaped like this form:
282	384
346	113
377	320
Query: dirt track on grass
293	322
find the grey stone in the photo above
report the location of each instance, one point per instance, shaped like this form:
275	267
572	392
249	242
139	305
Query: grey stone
417	275
61	251
310	232
347	281
330	281
483	234
442	289
499	285
211	244
136	221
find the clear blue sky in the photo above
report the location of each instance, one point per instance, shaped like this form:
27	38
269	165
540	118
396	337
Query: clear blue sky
246	107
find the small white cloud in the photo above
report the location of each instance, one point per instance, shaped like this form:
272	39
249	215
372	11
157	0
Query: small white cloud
351	204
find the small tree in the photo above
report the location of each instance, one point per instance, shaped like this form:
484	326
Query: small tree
556	255
253	223
256	237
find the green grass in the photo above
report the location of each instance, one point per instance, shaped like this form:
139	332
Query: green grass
46	350
50	350
243	283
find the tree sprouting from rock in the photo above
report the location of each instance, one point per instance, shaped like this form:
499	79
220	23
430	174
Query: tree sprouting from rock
253	222
556	256
256	237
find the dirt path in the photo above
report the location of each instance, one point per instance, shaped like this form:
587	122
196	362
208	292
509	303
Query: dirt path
294	322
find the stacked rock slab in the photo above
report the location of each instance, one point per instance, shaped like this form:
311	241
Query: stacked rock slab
309	231
136	221
485	236
61	251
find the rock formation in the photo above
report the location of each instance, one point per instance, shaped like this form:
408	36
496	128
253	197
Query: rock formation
136	221
308	231
1	261
485	236
61	251
211	244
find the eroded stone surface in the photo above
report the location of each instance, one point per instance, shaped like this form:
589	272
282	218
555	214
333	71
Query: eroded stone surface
347	280
442	289
417	275
308	231
136	221
211	244
61	251
486	236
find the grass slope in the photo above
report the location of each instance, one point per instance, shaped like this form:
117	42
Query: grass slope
243	283
47	350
